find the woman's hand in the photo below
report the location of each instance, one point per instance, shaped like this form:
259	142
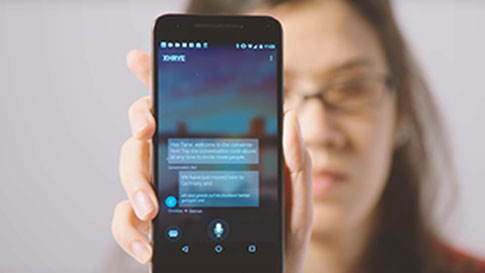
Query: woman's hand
132	217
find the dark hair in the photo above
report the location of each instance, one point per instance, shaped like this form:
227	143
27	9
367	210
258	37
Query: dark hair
405	239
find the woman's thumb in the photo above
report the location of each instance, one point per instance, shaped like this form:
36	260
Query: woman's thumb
299	199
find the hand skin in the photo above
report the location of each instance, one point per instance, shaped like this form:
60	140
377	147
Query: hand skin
132	217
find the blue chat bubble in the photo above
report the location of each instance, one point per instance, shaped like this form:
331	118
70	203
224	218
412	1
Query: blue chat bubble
218	188
213	151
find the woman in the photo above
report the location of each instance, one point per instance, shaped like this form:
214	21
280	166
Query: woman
359	164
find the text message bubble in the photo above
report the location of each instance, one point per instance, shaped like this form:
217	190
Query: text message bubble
213	151
218	189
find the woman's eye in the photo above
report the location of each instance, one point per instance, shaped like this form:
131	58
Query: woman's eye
356	92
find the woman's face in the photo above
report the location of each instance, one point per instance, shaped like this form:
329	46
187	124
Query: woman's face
328	42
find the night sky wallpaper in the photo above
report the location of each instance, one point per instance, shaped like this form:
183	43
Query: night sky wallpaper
217	90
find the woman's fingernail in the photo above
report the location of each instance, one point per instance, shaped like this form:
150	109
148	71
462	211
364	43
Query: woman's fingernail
140	251
139	122
143	204
298	127
295	121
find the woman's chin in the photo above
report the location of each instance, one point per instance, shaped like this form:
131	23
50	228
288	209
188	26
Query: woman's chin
328	218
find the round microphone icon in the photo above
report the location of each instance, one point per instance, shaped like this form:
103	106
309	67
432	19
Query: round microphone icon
218	229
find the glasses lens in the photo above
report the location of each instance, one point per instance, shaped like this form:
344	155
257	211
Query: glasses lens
356	93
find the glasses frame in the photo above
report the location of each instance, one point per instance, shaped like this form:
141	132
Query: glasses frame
387	79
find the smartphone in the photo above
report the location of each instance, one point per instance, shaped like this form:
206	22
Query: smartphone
217	152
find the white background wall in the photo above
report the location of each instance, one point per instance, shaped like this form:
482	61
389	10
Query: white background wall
448	38
64	94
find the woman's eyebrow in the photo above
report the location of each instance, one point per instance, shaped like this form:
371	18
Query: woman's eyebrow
349	65
335	69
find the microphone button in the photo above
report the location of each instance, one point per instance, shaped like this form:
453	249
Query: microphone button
218	229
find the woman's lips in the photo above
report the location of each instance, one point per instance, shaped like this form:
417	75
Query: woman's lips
324	181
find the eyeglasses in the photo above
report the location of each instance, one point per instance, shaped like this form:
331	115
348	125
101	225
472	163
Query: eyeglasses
348	95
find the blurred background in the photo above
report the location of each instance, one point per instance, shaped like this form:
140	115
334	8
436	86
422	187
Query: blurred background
64	94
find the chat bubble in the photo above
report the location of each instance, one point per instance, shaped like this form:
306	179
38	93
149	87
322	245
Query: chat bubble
218	189
213	151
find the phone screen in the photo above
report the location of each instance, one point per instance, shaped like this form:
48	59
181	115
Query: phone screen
217	149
